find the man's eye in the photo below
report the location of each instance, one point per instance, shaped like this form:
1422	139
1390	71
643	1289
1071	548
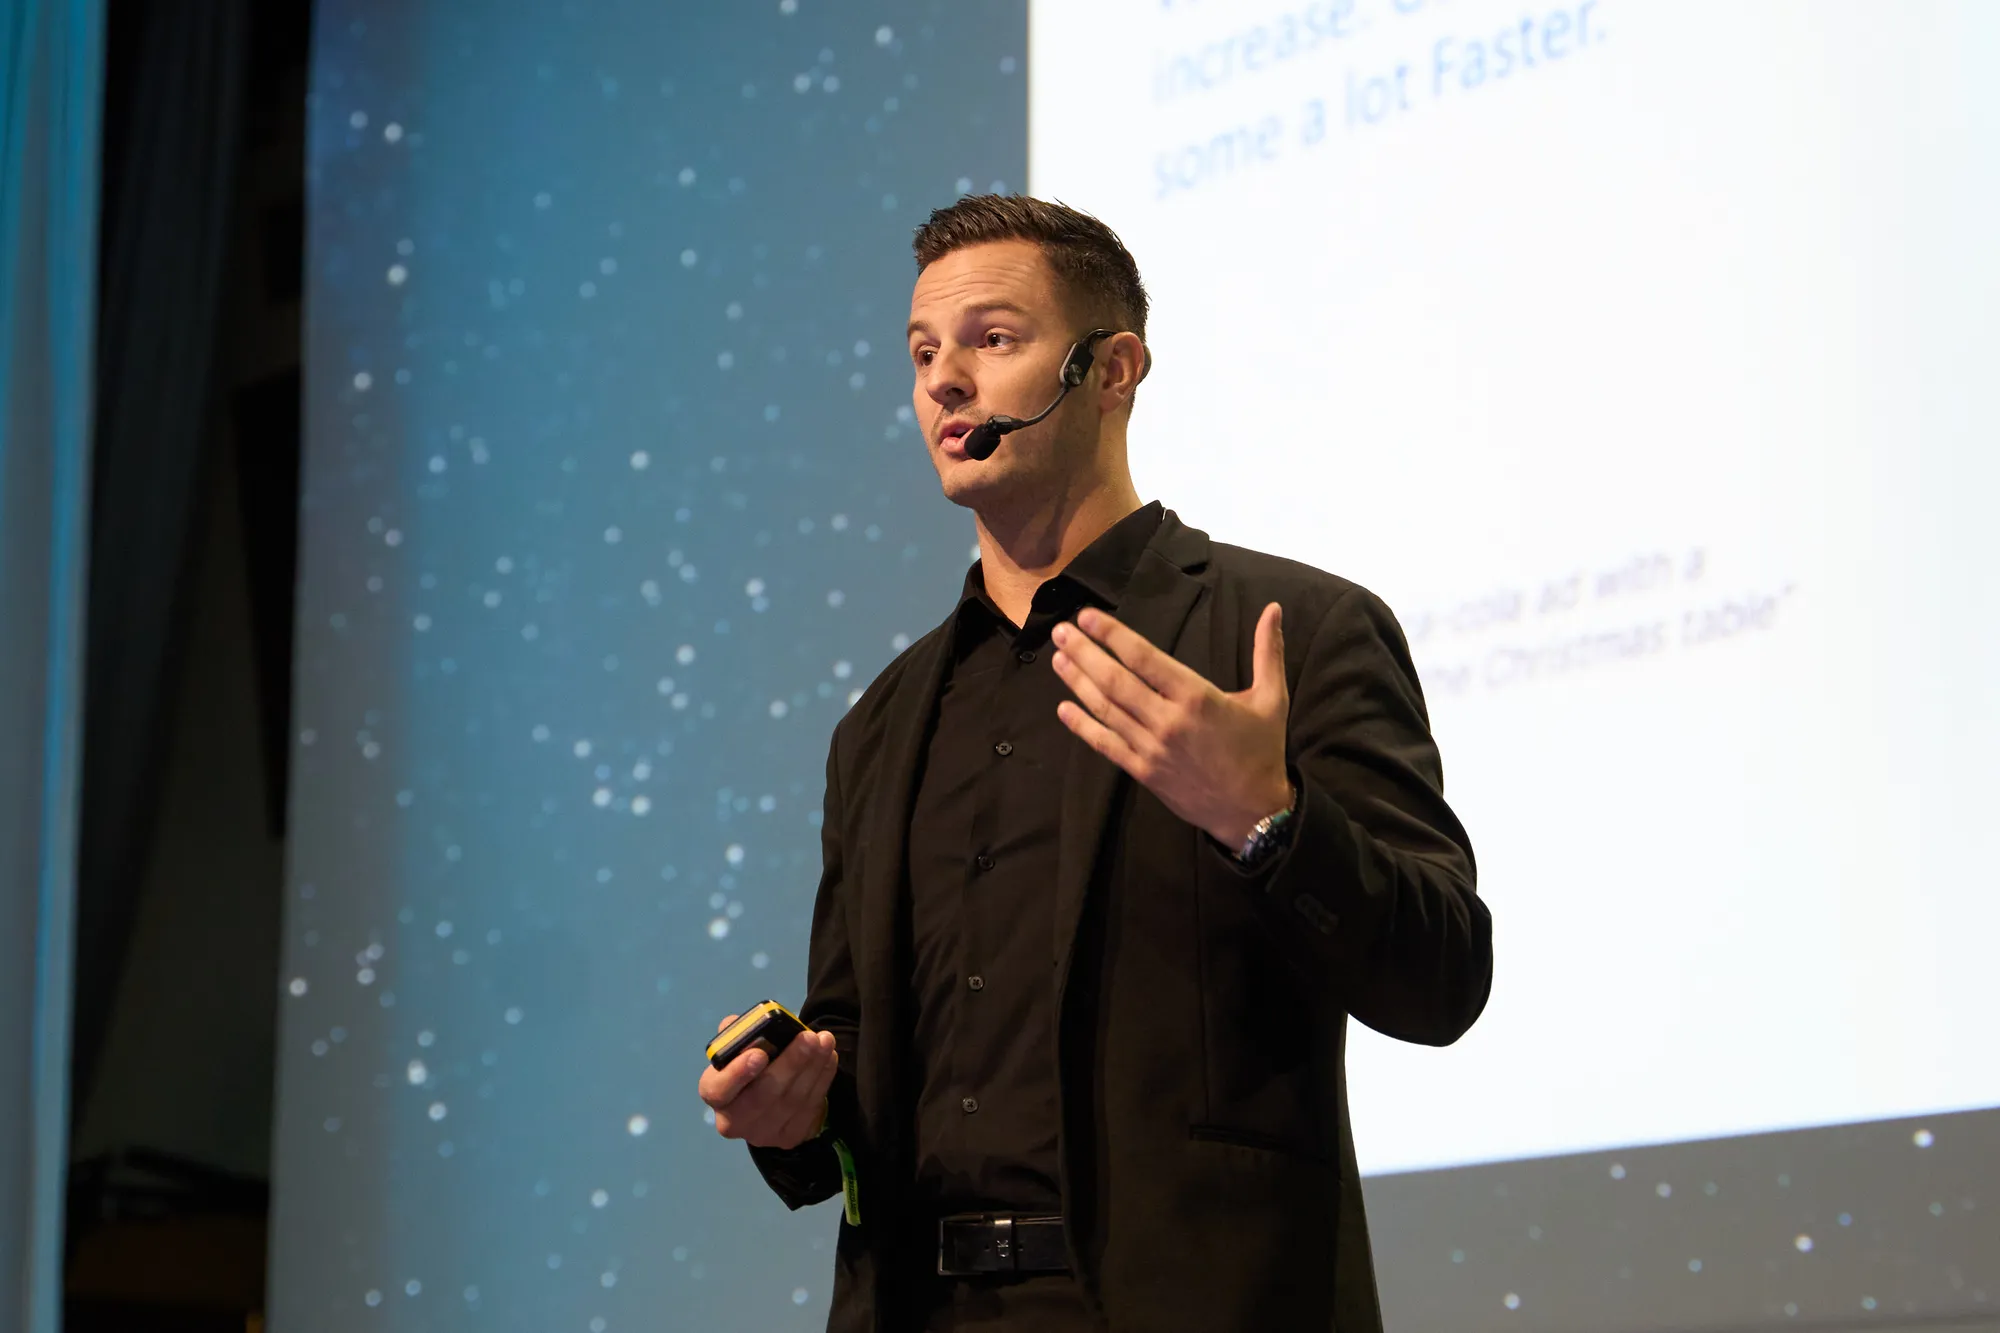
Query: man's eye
996	338
922	356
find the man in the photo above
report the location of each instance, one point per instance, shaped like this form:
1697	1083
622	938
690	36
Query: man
1109	859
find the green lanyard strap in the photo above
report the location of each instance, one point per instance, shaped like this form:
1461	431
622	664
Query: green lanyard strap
850	1185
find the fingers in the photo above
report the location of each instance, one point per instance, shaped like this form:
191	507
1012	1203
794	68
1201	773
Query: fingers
720	1087
781	1106
796	1060
775	1081
1173	679
811	1101
727	1021
1084	665
828	1067
789	1113
1135	733
1267	663
1103	740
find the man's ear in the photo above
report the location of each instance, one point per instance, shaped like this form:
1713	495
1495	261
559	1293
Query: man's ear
1123	361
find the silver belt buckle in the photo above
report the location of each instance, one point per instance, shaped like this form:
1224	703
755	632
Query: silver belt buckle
976	1225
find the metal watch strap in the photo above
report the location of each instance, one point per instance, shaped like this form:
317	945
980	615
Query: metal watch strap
1269	834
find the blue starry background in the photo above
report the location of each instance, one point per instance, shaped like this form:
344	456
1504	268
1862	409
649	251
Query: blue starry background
612	503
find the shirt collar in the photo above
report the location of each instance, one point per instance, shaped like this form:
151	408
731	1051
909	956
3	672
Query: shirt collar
1101	570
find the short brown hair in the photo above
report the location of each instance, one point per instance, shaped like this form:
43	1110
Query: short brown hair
1092	266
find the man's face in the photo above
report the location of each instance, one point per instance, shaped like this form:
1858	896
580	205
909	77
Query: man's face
988	334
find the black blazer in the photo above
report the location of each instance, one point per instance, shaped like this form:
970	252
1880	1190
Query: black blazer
1207	1168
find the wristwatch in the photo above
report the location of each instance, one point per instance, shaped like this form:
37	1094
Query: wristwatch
1268	836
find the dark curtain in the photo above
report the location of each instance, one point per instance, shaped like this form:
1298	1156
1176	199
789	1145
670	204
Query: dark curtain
173	142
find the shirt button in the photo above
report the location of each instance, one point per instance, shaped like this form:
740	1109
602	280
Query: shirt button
983	861
977	983
1004	748
1028	656
969	1104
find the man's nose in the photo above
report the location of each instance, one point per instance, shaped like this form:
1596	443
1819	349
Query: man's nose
948	378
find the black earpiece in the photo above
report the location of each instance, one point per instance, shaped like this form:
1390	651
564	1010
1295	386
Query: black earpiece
1077	364
983	439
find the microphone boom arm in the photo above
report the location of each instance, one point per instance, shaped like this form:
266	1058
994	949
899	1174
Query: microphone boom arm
983	439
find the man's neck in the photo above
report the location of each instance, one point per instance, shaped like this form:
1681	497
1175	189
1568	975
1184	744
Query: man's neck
1021	551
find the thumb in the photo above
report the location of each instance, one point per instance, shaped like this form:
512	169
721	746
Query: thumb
1267	660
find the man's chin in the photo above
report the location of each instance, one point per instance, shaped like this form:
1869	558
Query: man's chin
971	484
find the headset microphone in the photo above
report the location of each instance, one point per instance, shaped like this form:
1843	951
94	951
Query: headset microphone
983	439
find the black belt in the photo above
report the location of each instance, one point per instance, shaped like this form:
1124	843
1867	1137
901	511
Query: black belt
972	1243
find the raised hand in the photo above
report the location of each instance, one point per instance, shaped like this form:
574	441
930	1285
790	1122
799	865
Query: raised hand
1215	759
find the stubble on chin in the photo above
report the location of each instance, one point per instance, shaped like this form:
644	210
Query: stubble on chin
969	483
967	488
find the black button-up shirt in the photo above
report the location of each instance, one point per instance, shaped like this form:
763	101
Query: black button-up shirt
982	843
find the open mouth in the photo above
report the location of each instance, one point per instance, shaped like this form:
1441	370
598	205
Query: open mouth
953	435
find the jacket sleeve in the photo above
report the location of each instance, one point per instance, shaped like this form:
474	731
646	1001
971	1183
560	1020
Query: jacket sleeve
1375	895
810	1172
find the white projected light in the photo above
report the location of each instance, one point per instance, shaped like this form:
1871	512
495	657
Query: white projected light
1630	350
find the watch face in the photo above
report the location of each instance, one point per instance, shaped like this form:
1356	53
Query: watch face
1272	834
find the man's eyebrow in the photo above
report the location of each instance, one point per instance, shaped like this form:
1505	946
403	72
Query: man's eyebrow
983	308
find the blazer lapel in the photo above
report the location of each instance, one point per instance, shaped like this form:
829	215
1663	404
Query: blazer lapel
880	976
1156	604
